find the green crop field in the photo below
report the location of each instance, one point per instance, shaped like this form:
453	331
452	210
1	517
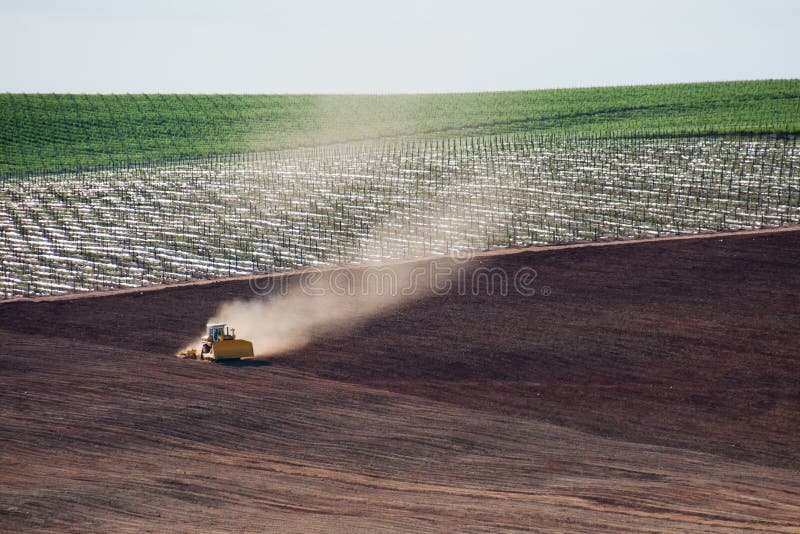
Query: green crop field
52	132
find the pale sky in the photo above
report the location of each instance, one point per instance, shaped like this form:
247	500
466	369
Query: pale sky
361	46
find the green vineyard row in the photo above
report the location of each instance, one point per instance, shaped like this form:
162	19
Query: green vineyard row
56	132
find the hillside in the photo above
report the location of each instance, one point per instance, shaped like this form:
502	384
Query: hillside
48	132
653	388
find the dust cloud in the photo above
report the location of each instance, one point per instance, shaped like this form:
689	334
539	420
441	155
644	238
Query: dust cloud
334	302
330	303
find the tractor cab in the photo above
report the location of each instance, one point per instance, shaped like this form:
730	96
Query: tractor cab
218	332
220	344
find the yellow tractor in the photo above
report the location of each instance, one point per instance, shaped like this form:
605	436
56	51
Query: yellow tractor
220	344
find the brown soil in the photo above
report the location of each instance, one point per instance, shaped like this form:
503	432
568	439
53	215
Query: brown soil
656	388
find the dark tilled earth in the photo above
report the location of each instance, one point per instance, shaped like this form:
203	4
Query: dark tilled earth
655	388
